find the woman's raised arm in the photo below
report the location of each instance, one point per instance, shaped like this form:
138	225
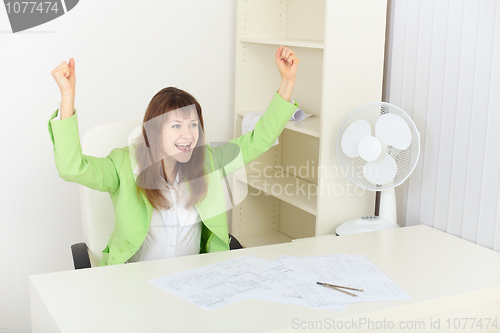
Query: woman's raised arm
270	125
65	77
287	63
99	173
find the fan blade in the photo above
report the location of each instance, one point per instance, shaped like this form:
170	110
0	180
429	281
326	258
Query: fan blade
352	135
381	171
393	131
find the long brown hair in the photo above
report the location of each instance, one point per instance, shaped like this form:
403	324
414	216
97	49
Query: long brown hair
152	178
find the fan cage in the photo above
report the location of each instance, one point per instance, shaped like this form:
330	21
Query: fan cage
406	159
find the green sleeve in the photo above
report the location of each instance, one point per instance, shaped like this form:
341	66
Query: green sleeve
97	173
244	149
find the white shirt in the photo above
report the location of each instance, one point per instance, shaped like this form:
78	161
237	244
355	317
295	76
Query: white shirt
173	232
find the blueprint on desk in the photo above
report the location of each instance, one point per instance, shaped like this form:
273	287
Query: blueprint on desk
290	280
354	271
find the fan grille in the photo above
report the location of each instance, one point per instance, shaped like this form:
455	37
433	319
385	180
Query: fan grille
405	159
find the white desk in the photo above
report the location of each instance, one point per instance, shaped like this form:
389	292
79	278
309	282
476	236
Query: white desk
447	277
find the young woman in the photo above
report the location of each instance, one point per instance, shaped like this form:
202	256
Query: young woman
166	188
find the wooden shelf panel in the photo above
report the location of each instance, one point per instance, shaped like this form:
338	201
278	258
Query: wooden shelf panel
292	190
310	126
263	239
285	42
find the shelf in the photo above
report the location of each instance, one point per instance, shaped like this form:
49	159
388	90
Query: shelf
295	191
309	126
285	42
263	239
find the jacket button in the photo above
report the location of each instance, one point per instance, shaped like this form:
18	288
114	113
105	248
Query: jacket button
112	258
127	242
121	250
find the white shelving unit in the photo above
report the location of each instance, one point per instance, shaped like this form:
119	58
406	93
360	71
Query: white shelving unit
297	189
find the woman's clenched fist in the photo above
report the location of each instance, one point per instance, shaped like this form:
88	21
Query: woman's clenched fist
65	77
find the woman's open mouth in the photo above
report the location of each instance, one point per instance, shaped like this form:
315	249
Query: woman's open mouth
184	147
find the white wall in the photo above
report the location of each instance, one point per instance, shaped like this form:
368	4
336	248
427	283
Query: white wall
444	70
125	52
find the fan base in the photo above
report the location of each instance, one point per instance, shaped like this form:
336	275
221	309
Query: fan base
364	224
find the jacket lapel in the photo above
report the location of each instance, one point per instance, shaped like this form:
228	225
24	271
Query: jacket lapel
134	164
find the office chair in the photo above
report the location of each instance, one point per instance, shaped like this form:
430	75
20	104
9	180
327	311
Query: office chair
97	209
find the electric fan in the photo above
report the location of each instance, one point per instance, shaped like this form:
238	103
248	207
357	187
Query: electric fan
378	146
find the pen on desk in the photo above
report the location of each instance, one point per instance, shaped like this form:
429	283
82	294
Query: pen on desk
338	288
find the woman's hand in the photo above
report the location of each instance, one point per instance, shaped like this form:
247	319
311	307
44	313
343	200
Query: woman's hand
65	77
287	63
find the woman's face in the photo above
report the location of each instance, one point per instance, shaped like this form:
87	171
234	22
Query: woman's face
180	135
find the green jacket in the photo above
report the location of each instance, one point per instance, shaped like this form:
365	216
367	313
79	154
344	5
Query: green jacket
114	174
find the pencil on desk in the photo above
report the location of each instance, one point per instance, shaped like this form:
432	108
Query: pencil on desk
338	288
333	285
